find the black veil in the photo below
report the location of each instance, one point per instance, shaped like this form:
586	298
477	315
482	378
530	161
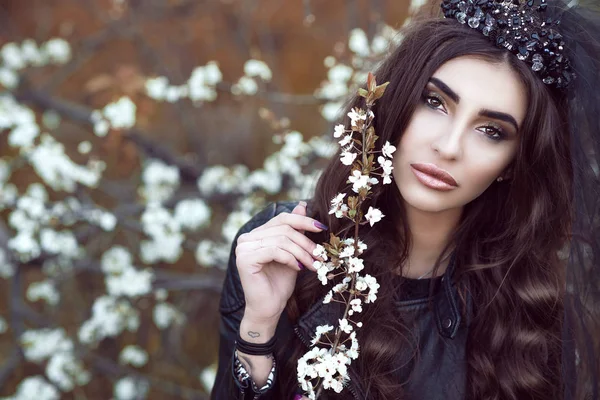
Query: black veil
580	28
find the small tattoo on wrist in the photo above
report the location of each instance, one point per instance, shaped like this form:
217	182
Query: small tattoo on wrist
253	335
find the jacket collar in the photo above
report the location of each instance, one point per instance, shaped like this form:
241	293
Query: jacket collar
447	313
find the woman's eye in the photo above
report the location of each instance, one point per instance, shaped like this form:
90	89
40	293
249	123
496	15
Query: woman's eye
493	133
433	101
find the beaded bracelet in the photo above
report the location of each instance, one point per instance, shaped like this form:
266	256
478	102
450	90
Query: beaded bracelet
244	380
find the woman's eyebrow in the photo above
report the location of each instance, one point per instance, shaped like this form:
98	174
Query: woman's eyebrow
483	112
446	89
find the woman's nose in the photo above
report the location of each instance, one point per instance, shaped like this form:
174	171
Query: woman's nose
448	144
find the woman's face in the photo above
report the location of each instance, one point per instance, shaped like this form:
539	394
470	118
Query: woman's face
466	125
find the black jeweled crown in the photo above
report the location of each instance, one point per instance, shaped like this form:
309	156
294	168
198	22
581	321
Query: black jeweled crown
523	29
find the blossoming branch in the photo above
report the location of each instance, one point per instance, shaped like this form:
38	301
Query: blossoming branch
327	368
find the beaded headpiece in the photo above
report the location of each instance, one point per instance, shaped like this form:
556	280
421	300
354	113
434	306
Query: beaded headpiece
521	28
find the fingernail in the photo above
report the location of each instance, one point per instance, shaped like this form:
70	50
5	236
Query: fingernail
298	397
302	203
300	265
320	225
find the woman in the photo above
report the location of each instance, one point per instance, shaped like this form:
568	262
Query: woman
487	188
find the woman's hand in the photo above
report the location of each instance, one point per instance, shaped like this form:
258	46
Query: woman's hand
269	258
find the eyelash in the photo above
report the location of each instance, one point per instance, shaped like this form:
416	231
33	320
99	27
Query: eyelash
501	135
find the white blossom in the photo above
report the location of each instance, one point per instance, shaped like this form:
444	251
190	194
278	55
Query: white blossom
84	147
8	78
373	215
257	68
192	213
12	57
345	325
388	150
361	181
66	372
36	387
63	242
340	73
209	253
321	330
121	114
339	130
355	264
358	42
44	290
353	351
347	251
208	377
166	314
356	305
245	85
57	169
361	247
25	246
337	205
340	287
330	111
160	181
356	115
202	82
347	158
23	135
101	128
108	221
58	50
116	260
134	355
32	54
319	251
166	248
128	388
233	223
131	283
346	140
212	73
367	282
38	345
110	316
322	270
156	88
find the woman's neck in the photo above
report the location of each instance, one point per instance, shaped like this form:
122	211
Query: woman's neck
430	233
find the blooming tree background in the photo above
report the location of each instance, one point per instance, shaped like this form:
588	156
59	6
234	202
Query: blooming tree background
136	137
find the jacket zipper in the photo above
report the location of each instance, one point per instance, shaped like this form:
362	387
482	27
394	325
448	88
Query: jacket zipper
350	387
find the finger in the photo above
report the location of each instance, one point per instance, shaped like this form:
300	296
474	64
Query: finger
300	209
299	222
265	255
277	231
284	242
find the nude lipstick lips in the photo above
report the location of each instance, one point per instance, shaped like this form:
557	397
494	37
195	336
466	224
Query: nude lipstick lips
433	177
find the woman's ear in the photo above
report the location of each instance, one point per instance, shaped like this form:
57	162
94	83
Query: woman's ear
508	172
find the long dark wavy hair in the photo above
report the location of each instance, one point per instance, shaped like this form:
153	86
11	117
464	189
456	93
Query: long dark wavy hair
506	245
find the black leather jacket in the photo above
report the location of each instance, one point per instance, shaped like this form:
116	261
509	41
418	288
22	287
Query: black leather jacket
440	332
